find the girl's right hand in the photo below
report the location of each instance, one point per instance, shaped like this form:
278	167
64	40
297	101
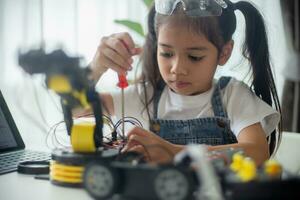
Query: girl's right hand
115	52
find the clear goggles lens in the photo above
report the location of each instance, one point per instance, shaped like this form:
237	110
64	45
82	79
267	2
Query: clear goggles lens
200	8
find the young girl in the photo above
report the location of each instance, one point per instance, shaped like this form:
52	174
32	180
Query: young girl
177	99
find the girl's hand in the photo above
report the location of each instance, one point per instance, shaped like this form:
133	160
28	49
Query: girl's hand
154	148
115	52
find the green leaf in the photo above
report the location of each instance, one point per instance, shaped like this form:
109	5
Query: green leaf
148	3
135	26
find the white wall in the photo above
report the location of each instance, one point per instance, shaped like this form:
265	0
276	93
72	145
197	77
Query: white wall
75	25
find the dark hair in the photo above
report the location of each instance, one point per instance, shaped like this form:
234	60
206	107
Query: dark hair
219	31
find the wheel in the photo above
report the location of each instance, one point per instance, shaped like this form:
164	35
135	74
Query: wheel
100	180
171	184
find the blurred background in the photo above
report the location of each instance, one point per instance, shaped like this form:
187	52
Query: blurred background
77	27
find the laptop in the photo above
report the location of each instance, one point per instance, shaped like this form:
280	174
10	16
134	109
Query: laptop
12	147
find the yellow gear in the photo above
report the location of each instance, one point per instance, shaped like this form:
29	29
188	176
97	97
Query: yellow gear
69	168
65	179
66	173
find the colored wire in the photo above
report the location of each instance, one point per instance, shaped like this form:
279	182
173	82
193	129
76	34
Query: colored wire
50	131
131	120
109	143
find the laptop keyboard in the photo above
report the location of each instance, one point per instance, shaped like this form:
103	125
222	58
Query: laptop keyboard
9	161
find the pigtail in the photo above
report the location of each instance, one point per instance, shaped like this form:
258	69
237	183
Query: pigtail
150	70
150	65
256	50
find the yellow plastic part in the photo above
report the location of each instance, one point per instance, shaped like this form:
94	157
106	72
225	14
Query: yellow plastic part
245	168
65	179
65	173
248	170
61	167
272	168
82	137
237	162
59	84
81	96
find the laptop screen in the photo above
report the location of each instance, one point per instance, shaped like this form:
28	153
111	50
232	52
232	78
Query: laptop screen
10	138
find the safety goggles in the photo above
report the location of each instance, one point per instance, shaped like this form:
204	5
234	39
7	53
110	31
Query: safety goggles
200	8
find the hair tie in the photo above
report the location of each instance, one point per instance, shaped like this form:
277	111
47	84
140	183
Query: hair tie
232	6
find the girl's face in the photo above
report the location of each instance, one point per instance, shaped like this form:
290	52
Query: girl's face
187	61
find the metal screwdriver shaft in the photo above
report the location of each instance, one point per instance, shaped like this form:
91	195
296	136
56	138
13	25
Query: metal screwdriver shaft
123	113
123	84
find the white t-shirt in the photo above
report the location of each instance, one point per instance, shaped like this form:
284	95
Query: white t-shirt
243	107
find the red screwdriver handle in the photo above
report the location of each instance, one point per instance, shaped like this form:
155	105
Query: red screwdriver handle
122	81
122	78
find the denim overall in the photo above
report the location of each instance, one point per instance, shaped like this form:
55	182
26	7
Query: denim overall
210	130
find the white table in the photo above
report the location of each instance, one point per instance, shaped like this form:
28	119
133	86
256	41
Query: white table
14	186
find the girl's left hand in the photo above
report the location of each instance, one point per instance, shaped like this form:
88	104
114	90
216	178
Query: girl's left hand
154	148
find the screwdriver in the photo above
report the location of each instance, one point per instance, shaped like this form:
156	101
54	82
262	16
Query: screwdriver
122	84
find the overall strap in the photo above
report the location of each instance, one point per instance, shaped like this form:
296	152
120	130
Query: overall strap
156	97
216	100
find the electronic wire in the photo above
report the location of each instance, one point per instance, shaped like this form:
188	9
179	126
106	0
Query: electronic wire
132	120
49	133
109	143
